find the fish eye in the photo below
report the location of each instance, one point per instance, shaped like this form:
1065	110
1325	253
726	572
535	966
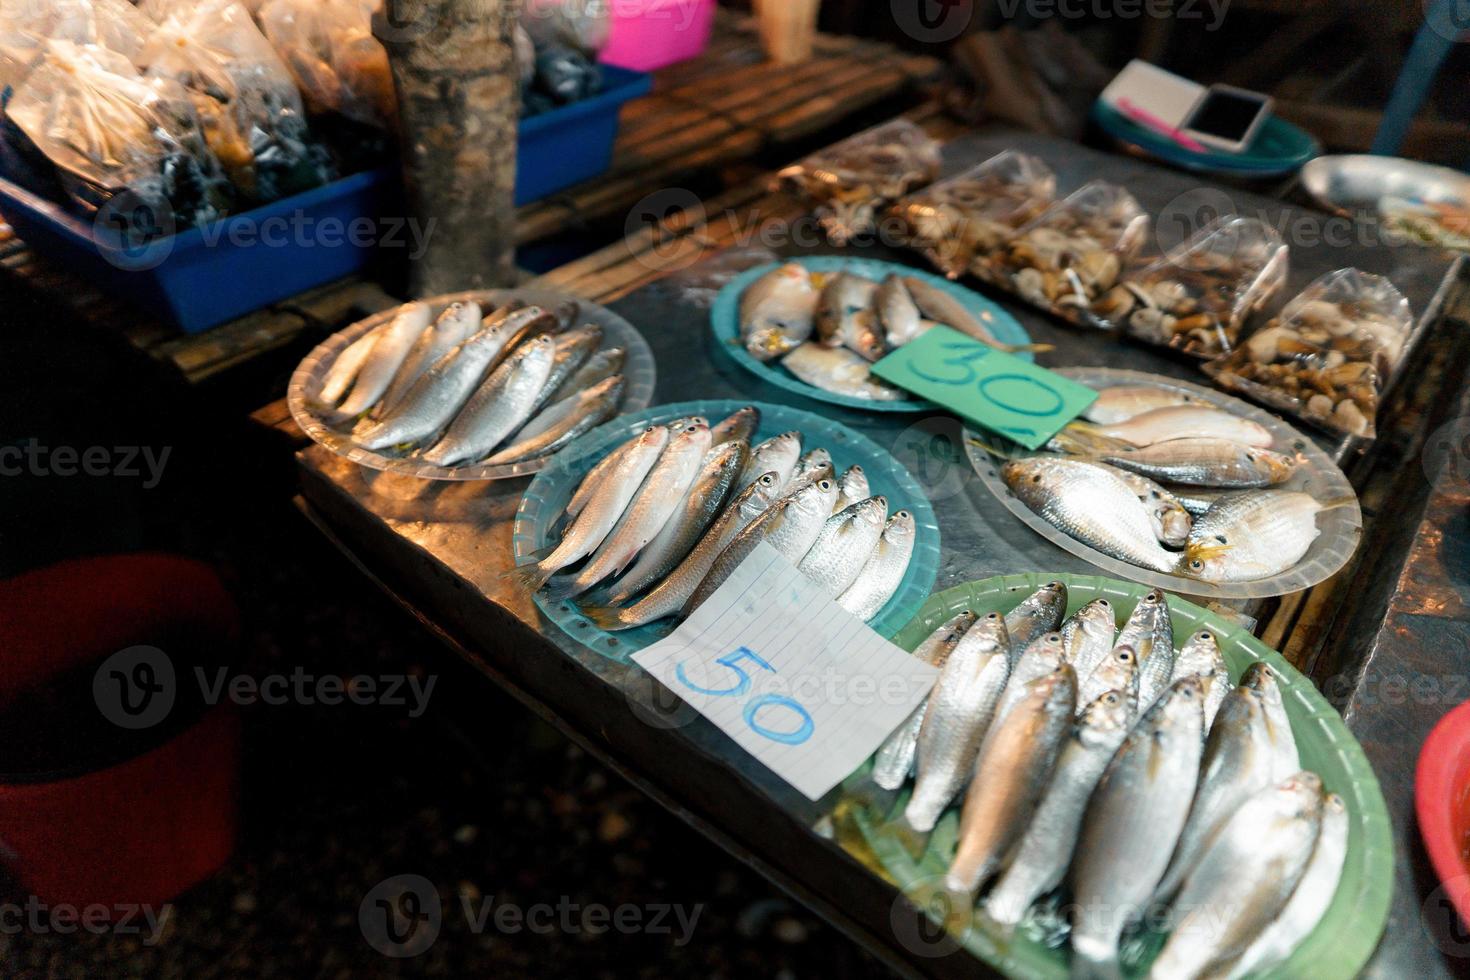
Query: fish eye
1036	478
1110	698
993	616
825	485
1125	655
1196	564
1221	538
1251	457
1053	637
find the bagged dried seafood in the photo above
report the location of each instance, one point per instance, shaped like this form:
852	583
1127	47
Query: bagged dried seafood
1073	253
26	26
1326	356
854	181
108	131
1198	296
968	216
245	98
329	47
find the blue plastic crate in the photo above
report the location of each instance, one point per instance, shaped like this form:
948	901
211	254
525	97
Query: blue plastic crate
202	277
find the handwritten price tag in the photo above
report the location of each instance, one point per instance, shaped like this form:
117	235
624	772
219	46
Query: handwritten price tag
988	387
795	679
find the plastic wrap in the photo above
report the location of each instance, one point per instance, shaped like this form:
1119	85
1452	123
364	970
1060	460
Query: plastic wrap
339	65
852	182
1073	253
110	131
966	217
1197	298
246	100
580	24
26	26
1327	355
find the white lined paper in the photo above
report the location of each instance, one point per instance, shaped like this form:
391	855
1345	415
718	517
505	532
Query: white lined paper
854	686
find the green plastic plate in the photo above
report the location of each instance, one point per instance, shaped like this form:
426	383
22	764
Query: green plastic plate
1347	934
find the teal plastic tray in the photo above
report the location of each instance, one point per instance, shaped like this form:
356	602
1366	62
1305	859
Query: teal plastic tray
546	498
725	321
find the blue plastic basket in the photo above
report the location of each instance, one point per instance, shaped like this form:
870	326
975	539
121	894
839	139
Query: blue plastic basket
202	277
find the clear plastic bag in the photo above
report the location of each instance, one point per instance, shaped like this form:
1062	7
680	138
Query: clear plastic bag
330	49
110	131
245	98
852	182
1197	297
1326	356
1073	253
968	216
26	26
581	24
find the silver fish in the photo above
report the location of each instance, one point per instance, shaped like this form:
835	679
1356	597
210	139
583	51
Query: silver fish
498	408
790	525
1088	636
670	595
600	366
777	454
658	499
1171	520
739	426
1189	422
1123	402
1253	535
439	394
884	570
1132	821
563	422
573	349
1041	657
894	762
840	371
608	494
852	486
705	499
1014	768
897	312
1040	612
1206	463
777	312
1197	500
844	544
1042	857
961	706
1088	504
1200	657
393	343
1244	879
591	481
941	307
454	326
845	301
1238	762
1156	669
344	369
816	463
1313	895
1117	672
1286	759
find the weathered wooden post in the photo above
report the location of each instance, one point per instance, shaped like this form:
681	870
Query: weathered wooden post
458	105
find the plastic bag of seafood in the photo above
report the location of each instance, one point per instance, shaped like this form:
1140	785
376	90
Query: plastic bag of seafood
852	182
1073	253
26	26
339	65
1199	295
968	216
1326	356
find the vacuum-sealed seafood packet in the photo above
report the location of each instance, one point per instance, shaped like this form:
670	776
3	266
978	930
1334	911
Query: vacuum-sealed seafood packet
854	181
968	216
1072	253
1327	355
109	130
1198	296
339	65
26	26
245	98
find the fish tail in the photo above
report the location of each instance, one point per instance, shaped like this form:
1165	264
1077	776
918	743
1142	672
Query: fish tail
609	619
991	448
958	906
566	587
1083	439
1026	348
530	577
912	840
1347	500
875	798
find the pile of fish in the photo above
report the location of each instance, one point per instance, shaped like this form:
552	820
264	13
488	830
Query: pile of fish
1124	774
661	522
1161	480
827	328
513	386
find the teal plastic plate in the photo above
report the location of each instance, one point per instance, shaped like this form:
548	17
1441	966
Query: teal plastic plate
725	321
1347	934
546	498
1278	149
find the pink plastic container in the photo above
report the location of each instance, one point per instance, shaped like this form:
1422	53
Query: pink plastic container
649	34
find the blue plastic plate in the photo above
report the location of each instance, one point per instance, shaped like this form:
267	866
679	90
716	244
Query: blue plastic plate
547	497
725	320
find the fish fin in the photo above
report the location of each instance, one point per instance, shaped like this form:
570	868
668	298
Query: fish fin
914	841
1026	348
993	449
564	588
1347	500
606	618
529	577
1083	439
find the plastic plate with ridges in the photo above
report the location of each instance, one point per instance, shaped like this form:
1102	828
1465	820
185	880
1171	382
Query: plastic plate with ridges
306	383
725	321
546	499
1347	933
1316	474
